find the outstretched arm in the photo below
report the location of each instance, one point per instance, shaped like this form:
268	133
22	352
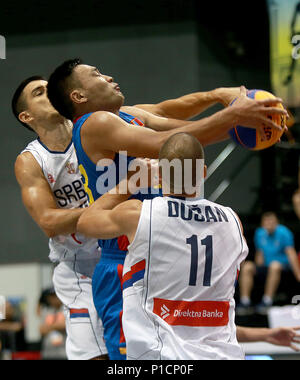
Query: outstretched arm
106	132
39	201
281	336
191	105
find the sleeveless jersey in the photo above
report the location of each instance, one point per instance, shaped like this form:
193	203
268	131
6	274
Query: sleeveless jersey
63	176
92	176
179	281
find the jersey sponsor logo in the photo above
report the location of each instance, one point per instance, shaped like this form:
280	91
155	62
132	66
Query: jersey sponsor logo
194	314
165	312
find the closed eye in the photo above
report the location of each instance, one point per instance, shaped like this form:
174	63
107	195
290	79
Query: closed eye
96	71
38	91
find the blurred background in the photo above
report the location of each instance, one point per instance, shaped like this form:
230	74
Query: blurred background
156	50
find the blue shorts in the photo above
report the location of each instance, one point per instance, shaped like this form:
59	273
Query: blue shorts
107	295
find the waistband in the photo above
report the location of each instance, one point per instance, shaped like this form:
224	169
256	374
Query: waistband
111	255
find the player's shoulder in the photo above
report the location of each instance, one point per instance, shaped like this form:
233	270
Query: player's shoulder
100	121
26	167
229	212
219	206
25	160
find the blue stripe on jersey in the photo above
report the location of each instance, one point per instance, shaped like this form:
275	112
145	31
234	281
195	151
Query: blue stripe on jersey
79	315
135	277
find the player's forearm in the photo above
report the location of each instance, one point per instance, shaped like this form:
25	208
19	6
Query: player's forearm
247	335
59	222
211	129
208	131
93	220
113	198
188	106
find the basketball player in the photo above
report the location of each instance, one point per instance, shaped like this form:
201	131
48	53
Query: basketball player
53	193
102	129
180	271
51	196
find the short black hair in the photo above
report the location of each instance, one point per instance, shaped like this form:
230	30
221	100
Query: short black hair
18	104
58	86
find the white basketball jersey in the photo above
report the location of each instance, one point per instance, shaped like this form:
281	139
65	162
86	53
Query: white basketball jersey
62	173
179	282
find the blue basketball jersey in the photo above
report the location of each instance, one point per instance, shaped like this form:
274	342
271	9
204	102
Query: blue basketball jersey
92	174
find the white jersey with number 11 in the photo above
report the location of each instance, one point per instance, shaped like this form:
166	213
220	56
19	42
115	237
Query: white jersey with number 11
179	281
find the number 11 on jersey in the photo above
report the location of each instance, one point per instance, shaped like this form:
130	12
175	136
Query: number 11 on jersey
208	243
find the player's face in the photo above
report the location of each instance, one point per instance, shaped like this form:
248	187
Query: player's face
38	105
99	88
270	223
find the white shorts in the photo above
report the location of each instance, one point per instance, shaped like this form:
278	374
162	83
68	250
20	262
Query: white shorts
84	328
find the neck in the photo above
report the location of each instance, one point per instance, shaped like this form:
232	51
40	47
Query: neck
58	137
90	108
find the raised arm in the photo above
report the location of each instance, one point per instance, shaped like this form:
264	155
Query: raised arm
39	201
191	105
104	131
281	336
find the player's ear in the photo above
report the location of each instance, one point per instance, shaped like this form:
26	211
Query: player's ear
25	117
78	97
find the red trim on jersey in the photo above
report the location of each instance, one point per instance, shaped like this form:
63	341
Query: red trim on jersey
79	311
123	243
120	273
74	237
122	335
134	269
139	122
75	120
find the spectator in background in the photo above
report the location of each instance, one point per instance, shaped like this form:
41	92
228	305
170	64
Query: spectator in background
53	328
275	253
12	336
